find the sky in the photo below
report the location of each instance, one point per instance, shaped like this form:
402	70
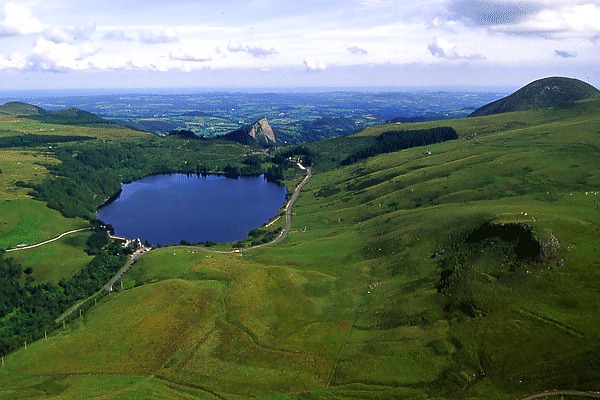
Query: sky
63	44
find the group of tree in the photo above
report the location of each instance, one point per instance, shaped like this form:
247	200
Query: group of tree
91	173
259	236
27	310
252	165
392	141
185	134
302	153
28	140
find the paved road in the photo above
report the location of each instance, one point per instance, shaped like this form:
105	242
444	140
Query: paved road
134	257
288	213
108	287
594	395
282	234
49	241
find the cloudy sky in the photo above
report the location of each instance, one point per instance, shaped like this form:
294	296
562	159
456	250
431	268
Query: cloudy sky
310	43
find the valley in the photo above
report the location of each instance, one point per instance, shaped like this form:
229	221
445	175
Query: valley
456	269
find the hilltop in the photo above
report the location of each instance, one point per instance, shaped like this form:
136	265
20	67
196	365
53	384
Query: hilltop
20	108
554	92
70	116
259	133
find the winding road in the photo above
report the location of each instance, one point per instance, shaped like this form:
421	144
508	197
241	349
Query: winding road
284	232
593	395
31	246
288	215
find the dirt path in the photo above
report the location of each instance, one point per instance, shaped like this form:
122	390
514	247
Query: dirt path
49	241
593	395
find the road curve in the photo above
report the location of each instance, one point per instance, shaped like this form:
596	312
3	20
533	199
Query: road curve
282	234
288	214
593	395
49	241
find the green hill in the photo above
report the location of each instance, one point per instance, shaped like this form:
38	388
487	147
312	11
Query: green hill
70	116
20	108
464	269
555	92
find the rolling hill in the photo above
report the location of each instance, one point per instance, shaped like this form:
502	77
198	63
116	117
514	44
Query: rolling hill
463	269
20	108
554	92
70	116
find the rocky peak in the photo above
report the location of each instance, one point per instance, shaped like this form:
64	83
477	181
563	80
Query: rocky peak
259	133
262	132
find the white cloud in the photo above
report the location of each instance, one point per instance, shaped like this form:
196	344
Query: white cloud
312	66
375	3
255	51
543	18
443	48
446	49
436	21
50	56
158	36
118	35
494	12
71	34
564	54
567	21
357	51
179	55
17	61
17	20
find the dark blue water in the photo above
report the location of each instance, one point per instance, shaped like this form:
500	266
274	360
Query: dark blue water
166	209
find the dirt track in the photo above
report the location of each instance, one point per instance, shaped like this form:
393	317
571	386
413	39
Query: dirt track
31	246
594	395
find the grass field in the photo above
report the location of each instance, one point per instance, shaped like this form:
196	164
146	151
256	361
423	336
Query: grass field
21	165
347	306
29	221
53	261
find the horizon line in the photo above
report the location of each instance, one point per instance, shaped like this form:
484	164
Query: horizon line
258	89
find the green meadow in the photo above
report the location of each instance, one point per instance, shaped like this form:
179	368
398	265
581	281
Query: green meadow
53	261
387	285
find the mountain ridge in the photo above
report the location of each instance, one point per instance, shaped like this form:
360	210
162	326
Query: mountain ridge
69	116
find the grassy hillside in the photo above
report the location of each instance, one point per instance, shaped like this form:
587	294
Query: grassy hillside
470	272
554	92
26	220
60	259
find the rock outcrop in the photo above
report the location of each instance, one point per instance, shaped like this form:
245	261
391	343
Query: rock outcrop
259	133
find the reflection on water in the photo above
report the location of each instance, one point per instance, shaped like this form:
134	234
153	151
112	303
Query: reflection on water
166	209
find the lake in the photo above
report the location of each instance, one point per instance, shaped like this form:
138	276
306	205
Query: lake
166	209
